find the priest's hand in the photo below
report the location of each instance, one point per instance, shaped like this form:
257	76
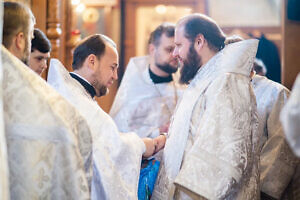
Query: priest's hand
164	128
161	141
150	147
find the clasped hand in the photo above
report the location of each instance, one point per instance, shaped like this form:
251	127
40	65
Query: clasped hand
154	145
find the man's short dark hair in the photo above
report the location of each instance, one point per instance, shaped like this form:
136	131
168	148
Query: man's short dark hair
94	44
195	24
16	19
165	28
259	66
40	42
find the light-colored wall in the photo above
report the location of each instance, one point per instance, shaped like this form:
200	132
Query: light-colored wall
245	12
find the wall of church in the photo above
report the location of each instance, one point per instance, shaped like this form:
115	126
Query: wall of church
129	23
291	48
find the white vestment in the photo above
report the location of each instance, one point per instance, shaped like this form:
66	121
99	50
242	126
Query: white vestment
141	105
4	184
212	149
48	142
117	156
277	162
4	175
290	118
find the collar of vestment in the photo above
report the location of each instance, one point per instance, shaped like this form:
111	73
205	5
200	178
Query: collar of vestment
158	79
87	86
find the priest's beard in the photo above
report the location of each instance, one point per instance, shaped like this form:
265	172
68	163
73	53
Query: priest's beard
166	67
169	69
103	91
100	89
190	66
26	53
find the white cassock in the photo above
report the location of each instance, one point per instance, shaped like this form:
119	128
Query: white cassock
117	156
212	149
290	118
140	105
48	142
277	162
4	184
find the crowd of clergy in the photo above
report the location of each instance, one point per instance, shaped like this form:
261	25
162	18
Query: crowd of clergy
194	103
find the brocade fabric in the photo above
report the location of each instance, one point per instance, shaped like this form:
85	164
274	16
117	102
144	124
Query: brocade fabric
116	156
48	142
277	162
212	150
4	175
290	118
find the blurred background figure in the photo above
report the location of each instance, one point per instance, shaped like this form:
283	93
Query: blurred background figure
268	53
40	52
150	88
277	162
290	118
259	67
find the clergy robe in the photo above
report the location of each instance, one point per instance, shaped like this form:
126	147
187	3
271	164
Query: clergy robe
277	162
117	156
4	184
48	142
292	192
212	149
141	105
290	118
4	175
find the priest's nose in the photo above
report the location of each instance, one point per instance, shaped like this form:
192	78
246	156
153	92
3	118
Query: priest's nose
175	52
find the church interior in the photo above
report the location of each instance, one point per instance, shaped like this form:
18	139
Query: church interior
129	22
150	99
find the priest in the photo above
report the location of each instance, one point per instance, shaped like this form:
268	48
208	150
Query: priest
290	118
212	146
48	142
277	162
150	89
4	175
116	156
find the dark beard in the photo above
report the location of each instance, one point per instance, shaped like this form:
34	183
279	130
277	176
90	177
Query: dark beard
190	66
103	91
100	89
166	68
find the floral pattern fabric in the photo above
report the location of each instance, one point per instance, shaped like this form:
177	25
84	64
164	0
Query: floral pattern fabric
212	151
277	162
290	118
48	142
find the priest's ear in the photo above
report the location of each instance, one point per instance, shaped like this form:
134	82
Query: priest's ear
199	42
91	61
20	41
151	49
